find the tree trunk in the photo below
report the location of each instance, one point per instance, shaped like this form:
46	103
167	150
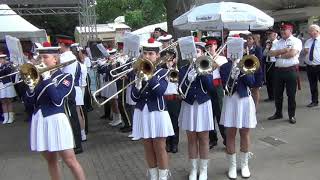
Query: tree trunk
175	8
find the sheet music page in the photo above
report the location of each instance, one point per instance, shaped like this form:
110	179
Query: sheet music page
235	47
187	47
15	50
131	44
103	50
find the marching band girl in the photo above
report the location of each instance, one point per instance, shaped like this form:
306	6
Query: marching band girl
253	48
105	68
79	83
8	92
51	133
151	119
196	116
238	112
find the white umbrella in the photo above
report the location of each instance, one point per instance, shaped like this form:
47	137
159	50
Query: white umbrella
230	15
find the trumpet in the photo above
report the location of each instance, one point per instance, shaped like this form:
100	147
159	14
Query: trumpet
173	74
31	74
249	64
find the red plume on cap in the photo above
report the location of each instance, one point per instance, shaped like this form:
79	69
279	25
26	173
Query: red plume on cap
286	26
46	44
151	40
236	35
211	42
110	49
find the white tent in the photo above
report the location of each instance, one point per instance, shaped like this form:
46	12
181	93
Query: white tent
144	33
14	25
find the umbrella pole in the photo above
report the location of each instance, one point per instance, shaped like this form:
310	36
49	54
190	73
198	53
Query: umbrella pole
222	36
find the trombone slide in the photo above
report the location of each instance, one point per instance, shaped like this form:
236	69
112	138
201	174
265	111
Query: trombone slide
105	86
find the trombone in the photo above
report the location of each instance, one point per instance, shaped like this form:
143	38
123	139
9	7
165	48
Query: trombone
145	70
31	74
203	65
142	66
114	73
249	64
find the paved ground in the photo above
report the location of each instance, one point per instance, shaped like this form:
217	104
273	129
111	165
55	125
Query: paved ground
281	150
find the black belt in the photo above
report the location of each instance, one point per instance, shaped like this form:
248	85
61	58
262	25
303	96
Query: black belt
313	65
290	68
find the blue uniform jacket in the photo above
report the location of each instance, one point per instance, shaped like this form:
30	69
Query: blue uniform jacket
152	96
77	75
242	83
259	74
6	69
49	94
105	70
199	88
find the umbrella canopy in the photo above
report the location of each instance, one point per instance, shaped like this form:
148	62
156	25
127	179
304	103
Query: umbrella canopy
230	15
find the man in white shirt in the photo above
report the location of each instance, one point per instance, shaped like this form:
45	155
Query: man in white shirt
270	64
312	51
65	56
286	51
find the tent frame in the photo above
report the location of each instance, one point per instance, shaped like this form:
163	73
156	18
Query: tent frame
84	8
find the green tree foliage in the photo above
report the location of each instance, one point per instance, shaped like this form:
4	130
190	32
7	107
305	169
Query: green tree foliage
138	13
53	24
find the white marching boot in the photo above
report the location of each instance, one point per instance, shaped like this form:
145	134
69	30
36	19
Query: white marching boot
83	135
244	157
194	169
153	174
232	159
5	118
116	119
203	169
164	174
11	118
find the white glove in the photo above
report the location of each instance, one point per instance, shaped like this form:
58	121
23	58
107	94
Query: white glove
138	84
101	62
192	75
235	72
46	75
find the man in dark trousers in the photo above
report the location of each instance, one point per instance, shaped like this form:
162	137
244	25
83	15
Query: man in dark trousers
269	64
312	52
286	51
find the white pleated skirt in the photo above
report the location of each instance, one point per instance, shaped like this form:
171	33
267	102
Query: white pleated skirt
128	96
8	92
196	117
79	96
238	112
151	124
52	133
